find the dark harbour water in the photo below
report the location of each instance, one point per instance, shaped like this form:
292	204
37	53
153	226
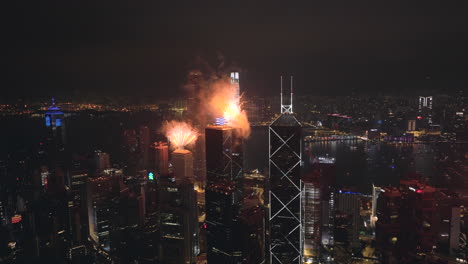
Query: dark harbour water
359	163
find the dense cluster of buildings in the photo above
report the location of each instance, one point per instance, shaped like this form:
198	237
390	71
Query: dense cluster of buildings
199	205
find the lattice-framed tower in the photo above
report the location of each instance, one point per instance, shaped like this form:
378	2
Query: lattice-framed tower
285	195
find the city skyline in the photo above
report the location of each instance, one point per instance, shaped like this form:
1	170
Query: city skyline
234	133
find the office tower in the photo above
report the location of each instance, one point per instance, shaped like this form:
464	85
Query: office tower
312	215
54	121
389	223
407	219
348	204
285	195
235	83
161	158
425	109
144	142
199	159
194	85
130	151
101	210
179	222
375	195
182	161
424	102
101	161
326	170
420	207
224	157
449	233
77	205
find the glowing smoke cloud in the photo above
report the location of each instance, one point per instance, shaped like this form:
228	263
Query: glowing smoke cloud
213	96
180	134
224	102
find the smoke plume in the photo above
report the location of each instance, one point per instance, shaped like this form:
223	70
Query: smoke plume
214	96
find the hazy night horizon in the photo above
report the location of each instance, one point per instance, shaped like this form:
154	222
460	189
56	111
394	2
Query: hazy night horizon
74	48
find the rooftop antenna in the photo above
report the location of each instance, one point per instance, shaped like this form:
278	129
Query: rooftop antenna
286	108
291	94
281	93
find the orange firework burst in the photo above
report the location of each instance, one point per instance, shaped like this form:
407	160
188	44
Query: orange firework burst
180	134
231	111
224	101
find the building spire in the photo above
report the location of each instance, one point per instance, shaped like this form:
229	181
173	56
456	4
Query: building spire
291	94
281	93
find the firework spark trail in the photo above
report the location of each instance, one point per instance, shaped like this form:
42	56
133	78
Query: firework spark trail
180	134
216	96
224	101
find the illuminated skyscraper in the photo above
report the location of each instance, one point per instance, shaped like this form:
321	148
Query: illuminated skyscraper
179	222
286	188
77	205
100	210
182	160
312	208
235	83
54	121
224	157
424	102
425	108
348	204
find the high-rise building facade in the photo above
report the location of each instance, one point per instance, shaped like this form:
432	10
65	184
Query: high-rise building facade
312	208
424	102
54	121
286	188
77	205
179	219
101	210
182	161
348	204
235	83
224	163
161	158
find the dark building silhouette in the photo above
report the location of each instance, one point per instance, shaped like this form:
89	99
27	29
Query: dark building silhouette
224	156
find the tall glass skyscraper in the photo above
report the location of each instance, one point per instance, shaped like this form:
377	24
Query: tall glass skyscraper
284	232
224	158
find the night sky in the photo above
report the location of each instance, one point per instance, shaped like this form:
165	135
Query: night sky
79	48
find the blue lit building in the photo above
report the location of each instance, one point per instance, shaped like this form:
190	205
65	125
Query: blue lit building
54	121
